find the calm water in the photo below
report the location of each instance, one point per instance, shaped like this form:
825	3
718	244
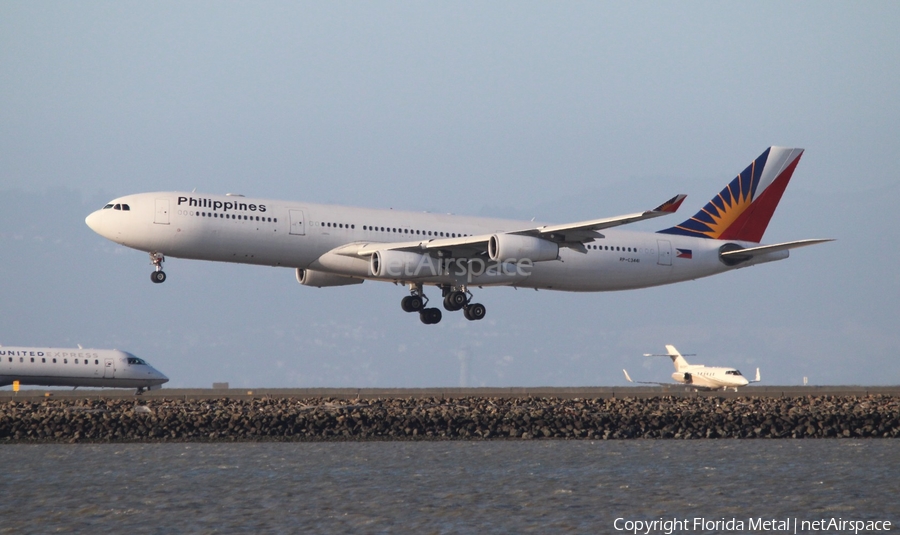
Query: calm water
439	487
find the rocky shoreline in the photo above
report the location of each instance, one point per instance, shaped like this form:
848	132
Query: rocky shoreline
321	419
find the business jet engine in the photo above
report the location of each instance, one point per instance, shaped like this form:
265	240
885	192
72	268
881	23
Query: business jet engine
320	279
403	265
512	248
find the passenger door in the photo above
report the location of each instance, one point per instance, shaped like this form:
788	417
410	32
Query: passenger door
162	212
298	225
109	368
665	252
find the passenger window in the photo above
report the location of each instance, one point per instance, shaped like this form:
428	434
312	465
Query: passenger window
76	361
65	361
54	361
32	359
43	361
96	362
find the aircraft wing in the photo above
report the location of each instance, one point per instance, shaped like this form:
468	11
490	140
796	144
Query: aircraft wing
585	231
572	235
750	252
628	377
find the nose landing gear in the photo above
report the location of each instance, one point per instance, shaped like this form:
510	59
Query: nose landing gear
158	275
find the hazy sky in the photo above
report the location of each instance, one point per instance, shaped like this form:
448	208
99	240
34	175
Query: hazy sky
558	110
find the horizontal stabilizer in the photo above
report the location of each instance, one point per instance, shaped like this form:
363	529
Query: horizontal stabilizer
750	252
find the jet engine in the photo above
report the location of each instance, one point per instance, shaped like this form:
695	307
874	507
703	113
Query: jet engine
403	265
687	378
320	279
511	248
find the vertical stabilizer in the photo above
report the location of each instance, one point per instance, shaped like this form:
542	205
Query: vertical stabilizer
743	209
676	357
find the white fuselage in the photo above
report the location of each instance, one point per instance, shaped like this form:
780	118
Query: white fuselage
299	235
710	377
49	366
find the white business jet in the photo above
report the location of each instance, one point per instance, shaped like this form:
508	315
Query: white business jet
698	376
330	245
48	366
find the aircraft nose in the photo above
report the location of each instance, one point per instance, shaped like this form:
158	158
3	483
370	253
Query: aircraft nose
93	221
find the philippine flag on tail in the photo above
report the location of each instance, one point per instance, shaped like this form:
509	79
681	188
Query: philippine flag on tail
684	253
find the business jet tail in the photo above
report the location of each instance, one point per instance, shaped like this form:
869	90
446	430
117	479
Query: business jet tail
677	358
743	209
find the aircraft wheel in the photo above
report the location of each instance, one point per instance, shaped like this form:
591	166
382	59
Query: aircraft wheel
158	276
455	301
415	303
430	316
404	304
475	311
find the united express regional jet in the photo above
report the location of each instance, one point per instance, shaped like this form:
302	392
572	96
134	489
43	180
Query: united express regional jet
48	366
330	245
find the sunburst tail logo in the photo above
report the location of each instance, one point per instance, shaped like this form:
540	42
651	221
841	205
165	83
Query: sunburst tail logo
743	209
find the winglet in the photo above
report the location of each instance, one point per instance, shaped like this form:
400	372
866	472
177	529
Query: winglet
672	205
757	376
627	377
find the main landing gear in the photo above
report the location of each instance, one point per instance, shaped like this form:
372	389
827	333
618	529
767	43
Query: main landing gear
461	298
454	299
416	301
159	275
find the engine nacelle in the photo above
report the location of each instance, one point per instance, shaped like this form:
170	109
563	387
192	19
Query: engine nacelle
403	265
320	279
512	248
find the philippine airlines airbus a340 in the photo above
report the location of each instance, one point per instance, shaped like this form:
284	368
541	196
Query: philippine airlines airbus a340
331	245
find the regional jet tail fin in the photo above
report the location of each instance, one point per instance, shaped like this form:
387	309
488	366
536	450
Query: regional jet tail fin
743	209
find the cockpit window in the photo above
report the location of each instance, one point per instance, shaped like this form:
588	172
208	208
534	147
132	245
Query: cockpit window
117	207
126	207
733	372
135	360
107	207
